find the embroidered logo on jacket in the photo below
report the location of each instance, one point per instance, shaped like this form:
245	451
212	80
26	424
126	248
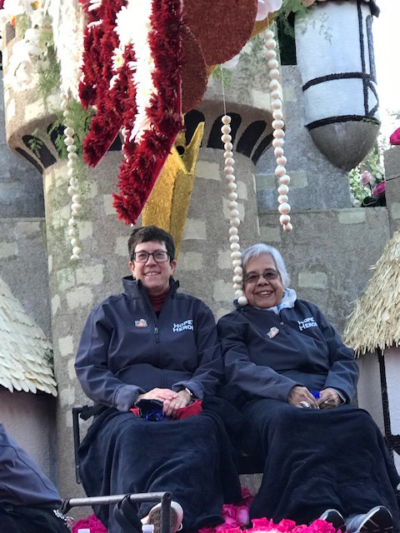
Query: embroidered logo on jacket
307	323
142	323
188	324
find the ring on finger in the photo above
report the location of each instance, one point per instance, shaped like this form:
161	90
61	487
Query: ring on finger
304	404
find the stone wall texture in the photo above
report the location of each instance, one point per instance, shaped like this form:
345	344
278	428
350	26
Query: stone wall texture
21	190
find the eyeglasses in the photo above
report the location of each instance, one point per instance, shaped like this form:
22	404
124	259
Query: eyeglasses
268	275
159	256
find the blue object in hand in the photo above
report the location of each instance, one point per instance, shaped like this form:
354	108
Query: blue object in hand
316	394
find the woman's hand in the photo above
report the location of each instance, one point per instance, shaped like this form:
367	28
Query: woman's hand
301	397
158	394
182	399
329	398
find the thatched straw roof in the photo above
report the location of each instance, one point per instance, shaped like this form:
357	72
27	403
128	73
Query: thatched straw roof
375	321
25	352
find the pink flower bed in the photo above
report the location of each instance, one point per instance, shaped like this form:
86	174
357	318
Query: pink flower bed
236	518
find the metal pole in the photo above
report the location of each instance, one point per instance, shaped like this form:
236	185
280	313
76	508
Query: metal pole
166	512
164	497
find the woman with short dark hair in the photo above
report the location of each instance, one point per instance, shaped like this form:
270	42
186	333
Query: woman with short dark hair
152	343
293	379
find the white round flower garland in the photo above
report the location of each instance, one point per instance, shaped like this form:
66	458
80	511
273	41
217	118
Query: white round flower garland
279	134
73	182
234	212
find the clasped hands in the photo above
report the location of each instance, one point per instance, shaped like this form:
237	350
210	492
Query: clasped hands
301	397
172	401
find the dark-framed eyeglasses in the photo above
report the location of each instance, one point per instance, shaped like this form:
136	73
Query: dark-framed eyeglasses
159	256
268	275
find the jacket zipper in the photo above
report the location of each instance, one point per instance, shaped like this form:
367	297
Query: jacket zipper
156	334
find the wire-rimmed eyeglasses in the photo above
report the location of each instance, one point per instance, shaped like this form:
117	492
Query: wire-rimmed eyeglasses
269	275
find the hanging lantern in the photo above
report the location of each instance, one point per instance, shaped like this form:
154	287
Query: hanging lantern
335	56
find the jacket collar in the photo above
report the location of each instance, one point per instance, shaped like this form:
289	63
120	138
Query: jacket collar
134	288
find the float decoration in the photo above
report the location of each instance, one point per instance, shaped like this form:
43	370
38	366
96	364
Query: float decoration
169	201
163	61
229	170
338	73
278	125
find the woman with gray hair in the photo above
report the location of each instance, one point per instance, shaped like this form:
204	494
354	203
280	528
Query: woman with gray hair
293	379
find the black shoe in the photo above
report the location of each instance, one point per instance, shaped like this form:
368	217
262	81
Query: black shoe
332	516
377	520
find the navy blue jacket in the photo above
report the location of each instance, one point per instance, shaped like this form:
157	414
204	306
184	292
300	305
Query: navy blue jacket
125	349
21	480
306	351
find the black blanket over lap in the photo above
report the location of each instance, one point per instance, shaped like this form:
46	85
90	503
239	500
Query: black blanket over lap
317	460
190	458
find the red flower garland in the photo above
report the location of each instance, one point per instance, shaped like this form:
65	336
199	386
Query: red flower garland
144	160
100	42
116	107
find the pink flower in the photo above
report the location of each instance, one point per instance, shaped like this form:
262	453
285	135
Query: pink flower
267	6
242	515
229	511
367	178
261	523
395	137
379	190
286	526
308	3
320	526
226	528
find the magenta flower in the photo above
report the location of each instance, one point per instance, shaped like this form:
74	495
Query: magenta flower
261	524
395	137
379	190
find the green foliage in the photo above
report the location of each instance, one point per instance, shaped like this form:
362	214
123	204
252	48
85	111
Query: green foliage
373	164
49	74
22	23
80	119
35	144
357	190
296	7
224	75
292	6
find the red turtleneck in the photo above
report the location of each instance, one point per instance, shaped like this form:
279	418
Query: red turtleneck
158	301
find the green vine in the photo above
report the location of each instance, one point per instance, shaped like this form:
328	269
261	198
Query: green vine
293	6
35	143
80	119
49	74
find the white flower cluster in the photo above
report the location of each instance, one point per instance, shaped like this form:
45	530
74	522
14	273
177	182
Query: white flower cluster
133	26
68	24
28	50
13	8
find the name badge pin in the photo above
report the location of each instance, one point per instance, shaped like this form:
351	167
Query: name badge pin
142	323
273	332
